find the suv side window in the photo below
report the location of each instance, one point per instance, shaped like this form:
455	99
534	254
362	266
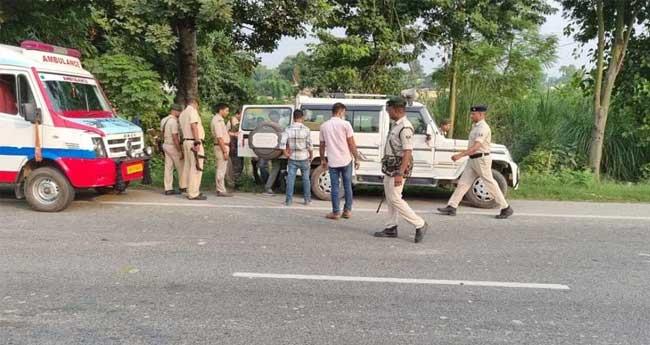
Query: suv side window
365	121
315	117
8	92
416	119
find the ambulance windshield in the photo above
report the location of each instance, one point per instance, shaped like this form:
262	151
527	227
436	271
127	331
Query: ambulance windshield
76	96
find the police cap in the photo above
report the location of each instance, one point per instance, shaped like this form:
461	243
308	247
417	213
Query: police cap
397	102
478	108
177	107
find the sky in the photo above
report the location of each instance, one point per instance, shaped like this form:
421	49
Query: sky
554	26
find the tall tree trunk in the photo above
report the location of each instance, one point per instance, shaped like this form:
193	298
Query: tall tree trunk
595	149
188	84
453	88
621	39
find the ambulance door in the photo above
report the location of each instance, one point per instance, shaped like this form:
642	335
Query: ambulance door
16	134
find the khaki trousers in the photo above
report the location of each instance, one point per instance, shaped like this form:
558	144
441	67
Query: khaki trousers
191	174
173	161
397	207
478	167
222	168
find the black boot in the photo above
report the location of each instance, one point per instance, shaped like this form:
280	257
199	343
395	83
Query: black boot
449	211
505	213
388	232
419	233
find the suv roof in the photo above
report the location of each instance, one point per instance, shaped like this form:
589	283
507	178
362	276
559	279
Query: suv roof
302	99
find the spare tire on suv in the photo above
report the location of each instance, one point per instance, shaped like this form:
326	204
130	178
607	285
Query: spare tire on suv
265	140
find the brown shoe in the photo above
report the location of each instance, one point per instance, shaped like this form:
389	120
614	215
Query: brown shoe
334	216
347	214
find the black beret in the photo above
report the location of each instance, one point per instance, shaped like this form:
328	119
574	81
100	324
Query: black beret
396	102
478	108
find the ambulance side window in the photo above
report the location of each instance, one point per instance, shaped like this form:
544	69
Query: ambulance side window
25	95
8	88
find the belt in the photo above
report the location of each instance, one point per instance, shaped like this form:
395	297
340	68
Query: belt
478	155
190	139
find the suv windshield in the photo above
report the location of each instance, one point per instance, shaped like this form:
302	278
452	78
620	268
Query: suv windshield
76	96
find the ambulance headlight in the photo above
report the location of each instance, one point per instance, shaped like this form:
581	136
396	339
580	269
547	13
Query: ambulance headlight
148	150
98	146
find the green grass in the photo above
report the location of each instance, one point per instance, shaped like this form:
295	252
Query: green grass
564	186
551	187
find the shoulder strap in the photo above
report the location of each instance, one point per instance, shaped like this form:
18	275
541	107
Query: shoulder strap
399	135
163	127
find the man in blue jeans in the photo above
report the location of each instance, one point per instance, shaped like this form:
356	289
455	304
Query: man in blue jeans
337	140
296	142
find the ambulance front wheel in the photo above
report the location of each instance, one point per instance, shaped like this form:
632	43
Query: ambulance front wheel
48	190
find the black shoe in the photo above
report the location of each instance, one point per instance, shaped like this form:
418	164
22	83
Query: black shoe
449	211
388	232
419	233
505	213
170	192
199	197
183	190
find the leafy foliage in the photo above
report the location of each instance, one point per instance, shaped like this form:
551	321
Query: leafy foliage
136	90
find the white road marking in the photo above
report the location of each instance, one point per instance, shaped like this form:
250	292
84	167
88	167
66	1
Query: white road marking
401	280
312	208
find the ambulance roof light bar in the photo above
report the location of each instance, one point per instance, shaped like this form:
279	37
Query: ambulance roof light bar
40	46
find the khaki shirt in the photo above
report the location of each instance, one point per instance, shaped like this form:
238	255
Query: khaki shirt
233	125
400	138
170	128
219	130
187	118
480	133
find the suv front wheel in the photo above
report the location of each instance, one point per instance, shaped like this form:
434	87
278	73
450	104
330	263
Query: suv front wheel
478	195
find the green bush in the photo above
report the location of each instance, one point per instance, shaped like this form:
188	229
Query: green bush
645	173
132	86
552	159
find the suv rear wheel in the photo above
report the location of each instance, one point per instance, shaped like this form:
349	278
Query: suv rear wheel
478	195
48	190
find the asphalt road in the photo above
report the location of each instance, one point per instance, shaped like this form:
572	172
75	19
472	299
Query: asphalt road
146	269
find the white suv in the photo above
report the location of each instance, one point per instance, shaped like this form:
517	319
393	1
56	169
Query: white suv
262	125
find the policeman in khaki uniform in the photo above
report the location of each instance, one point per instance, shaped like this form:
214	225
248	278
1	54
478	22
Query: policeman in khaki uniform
479	165
173	149
221	147
193	138
235	163
396	166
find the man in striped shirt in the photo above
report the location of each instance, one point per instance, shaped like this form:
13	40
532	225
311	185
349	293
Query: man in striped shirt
296	142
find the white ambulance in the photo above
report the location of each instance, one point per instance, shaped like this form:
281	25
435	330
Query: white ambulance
58	133
262	125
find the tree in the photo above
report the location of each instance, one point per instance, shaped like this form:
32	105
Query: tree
270	83
455	24
499	74
171	30
131	84
567	74
379	36
64	23
612	24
